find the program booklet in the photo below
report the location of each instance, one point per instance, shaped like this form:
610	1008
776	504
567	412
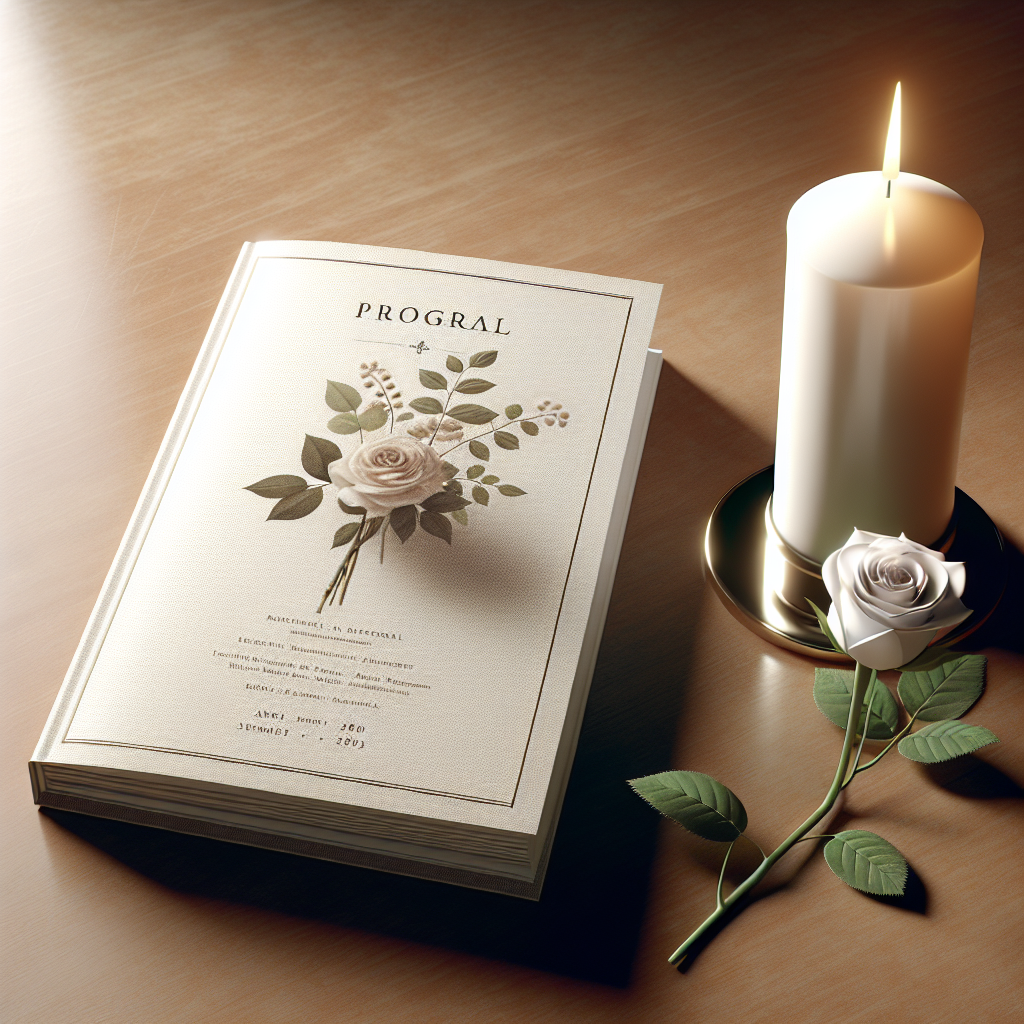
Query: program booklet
357	608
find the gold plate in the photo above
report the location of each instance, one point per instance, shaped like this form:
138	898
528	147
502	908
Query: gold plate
735	546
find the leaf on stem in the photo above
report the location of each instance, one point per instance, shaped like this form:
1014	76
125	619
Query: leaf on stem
342	397
374	418
317	454
942	741
510	490
475	414
295	506
459	515
474	471
448	470
833	691
945	691
444	501
825	628
277	486
483	358
489	479
504	439
344	534
403	521
480	495
474	386
432	380
454	364
529	427
867	862
455	486
512	411
428	406
343	423
436	524
699	803
479	450
352	510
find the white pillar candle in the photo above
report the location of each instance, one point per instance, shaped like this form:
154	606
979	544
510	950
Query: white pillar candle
879	302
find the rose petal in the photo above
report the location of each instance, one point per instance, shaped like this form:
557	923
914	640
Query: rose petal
881	651
836	625
830	575
957	577
913	643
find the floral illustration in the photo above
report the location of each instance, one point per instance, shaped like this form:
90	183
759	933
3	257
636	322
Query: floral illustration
397	476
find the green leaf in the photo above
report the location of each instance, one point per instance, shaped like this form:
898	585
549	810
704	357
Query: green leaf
444	501
510	490
436	524
432	380
473	472
317	454
374	418
344	423
295	506
503	439
480	495
698	802
945	691
279	486
825	628
474	386
403	416
483	358
489	479
942	741
529	427
867	862
459	515
449	470
454	364
512	411
403	521
479	450
344	534
341	397
454	486
427	406
475	414
833	690
352	510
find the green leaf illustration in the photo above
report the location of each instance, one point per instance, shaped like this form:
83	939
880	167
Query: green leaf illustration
427	406
317	454
480	495
373	418
512	411
343	423
475	414
867	862
698	802
473	472
444	501
479	450
352	510
454	364
529	427
942	741
483	358
454	486
945	691
436	524
474	386
403	521
459	515
503	439
833	690
341	397
278	486
371	527
295	506
489	479
510	490
825	628
432	380
344	534
403	416
449	470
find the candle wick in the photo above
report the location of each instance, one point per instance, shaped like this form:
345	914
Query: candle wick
888	189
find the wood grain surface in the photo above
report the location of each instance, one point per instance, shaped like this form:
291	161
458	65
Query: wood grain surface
144	141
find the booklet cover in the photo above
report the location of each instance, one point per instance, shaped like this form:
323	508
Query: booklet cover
364	565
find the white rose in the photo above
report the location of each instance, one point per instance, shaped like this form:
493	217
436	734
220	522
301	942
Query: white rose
891	598
384	474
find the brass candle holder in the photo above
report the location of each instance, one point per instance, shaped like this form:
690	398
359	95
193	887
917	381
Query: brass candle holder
766	584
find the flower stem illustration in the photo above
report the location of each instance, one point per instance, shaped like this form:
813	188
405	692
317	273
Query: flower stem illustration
397	477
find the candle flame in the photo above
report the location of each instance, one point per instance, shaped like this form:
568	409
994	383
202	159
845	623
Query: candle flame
891	160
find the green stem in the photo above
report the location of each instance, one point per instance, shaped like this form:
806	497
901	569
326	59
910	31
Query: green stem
865	727
885	750
860	684
500	426
721	874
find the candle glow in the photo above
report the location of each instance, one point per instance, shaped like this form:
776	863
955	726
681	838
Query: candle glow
891	160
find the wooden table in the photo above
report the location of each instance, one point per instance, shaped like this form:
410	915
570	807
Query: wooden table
145	141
